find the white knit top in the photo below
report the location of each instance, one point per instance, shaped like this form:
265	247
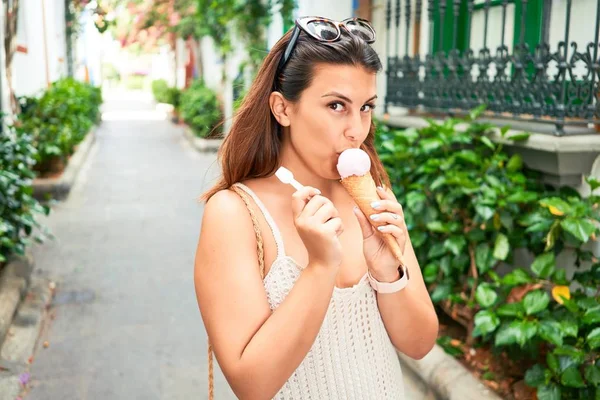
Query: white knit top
352	357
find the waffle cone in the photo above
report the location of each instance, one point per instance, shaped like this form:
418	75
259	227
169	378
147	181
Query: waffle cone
364	192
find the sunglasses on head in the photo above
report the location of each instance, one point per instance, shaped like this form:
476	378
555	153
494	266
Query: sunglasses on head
326	30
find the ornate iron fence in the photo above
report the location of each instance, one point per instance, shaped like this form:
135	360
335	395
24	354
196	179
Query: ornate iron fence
534	83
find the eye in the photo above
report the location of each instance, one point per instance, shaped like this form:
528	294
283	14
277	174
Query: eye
337	106
368	107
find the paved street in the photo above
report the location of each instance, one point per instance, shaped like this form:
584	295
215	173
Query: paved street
126	322
127	325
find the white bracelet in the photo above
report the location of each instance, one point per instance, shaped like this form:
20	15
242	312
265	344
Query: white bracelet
390	287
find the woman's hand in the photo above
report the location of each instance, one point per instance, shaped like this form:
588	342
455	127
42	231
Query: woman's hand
389	215
319	225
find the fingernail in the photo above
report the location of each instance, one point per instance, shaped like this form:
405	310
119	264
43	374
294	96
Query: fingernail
381	228
317	191
380	188
355	209
374	217
375	204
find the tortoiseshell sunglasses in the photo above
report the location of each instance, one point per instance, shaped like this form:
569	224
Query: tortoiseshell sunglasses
326	30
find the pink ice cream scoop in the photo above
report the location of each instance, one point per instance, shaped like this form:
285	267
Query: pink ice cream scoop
353	162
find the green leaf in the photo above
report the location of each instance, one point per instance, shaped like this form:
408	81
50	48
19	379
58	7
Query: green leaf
582	229
544	265
516	277
520	137
572	355
552	363
548	392
485	212
522	197
455	244
535	376
436	250
486	141
437	226
551	332
593	182
516	332
592	374
441	291
535	302
592	316
556	205
569	328
593	338
476	112
511	309
484	259
485	295
572	377
560	277
430	273
485	322
515	163
501	247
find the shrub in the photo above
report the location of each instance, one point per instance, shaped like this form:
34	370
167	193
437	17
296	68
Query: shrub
59	120
200	109
468	205
17	206
159	90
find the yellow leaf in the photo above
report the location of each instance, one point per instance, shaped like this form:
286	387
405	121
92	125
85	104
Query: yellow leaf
555	211
563	291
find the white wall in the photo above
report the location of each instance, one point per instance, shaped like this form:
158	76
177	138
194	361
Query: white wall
334	9
89	52
29	70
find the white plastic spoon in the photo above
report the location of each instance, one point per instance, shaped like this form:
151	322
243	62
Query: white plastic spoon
286	176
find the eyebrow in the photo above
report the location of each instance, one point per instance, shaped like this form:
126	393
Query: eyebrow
345	98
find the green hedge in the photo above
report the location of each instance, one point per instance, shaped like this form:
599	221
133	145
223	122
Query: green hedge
17	206
59	120
468	205
165	94
200	109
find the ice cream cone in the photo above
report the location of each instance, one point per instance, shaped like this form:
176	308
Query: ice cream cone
364	192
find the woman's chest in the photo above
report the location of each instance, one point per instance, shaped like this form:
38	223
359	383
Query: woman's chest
353	266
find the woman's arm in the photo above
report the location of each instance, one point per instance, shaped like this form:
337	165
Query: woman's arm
257	350
408	315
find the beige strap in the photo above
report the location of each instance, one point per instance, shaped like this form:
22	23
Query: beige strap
261	264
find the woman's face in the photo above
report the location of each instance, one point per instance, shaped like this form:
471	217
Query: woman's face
333	114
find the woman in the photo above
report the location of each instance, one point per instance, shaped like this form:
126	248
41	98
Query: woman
314	327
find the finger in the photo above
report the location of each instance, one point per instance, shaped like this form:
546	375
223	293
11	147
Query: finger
385	193
396	231
301	197
391	206
326	212
313	206
335	225
387	218
365	225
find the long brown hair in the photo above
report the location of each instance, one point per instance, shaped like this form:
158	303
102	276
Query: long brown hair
252	147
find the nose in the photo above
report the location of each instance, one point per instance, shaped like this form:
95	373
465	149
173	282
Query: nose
354	130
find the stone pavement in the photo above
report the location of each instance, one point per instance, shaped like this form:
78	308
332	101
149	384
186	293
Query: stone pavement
126	324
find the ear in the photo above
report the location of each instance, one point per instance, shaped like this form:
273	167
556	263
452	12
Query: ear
279	108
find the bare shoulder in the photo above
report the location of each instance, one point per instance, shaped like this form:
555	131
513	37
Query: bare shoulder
225	221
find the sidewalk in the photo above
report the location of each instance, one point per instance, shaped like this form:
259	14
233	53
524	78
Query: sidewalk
126	323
